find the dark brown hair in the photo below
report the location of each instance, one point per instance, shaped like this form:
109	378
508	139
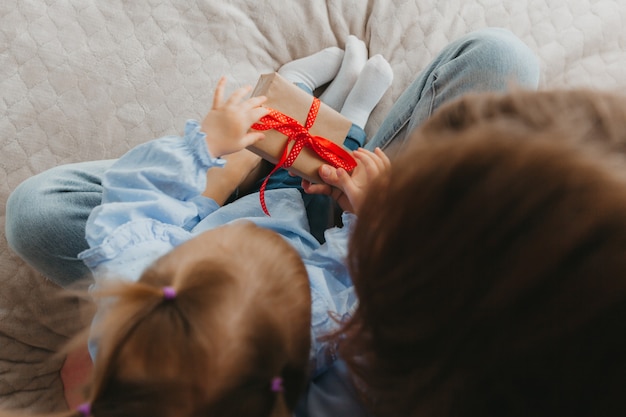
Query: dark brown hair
240	317
491	268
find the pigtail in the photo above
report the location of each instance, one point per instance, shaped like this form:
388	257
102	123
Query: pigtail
281	407
286	390
200	334
84	410
126	306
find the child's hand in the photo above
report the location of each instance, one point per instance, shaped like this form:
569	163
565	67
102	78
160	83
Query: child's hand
227	125
349	190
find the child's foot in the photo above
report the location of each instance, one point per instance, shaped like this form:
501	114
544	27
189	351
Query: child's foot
353	61
314	70
369	88
239	171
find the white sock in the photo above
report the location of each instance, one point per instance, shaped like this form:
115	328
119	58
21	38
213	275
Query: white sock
314	70
369	88
353	61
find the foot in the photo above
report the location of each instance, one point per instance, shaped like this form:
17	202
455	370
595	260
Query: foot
314	70
371	85
354	60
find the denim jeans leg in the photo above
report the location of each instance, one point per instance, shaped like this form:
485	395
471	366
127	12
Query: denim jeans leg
485	60
46	216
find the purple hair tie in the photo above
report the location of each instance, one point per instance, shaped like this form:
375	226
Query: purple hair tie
84	409
277	384
169	293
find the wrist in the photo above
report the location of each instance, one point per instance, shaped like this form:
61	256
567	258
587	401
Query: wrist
214	150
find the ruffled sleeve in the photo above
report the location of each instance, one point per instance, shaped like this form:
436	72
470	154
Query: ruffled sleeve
151	199
162	179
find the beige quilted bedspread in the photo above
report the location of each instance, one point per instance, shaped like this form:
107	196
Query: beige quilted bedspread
86	79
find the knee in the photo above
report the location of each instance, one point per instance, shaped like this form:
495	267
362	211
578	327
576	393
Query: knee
510	59
24	220
17	214
45	218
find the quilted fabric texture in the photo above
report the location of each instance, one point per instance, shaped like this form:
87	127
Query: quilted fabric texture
85	79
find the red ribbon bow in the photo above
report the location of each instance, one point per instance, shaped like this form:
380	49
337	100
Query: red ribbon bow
329	151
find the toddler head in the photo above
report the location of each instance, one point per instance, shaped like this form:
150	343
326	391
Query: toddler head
218	326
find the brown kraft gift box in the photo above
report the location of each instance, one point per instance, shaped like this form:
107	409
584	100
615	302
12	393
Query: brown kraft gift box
289	99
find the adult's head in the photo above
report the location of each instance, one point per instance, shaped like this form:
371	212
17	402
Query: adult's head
491	268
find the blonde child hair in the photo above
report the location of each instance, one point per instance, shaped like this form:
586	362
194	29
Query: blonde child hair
203	334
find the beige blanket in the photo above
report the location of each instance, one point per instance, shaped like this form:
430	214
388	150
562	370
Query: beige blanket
86	79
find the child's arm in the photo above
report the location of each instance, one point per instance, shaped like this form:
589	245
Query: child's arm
349	189
157	186
162	179
227	127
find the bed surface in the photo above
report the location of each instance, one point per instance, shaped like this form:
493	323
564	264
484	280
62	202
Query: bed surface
85	79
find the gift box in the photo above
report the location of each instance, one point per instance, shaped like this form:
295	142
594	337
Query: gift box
288	99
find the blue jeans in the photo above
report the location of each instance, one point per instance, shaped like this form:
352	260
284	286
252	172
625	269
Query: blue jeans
46	214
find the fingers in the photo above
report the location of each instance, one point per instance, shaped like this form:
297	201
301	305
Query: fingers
249	109
238	95
219	93
337	181
336	177
312	188
374	163
252	138
349	189
315	188
254	102
386	162
345	182
367	161
329	175
257	113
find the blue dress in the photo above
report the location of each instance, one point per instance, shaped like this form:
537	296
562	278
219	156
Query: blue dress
152	203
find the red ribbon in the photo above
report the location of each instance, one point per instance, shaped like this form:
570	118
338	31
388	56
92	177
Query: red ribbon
329	151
